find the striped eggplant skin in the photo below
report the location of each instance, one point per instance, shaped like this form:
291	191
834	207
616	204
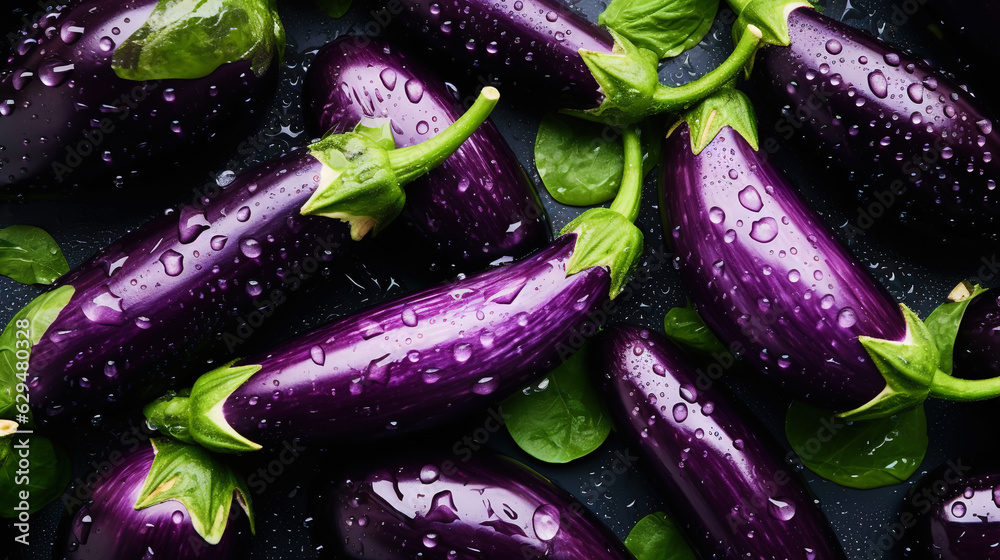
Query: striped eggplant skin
952	513
530	45
108	527
175	282
428	506
422	359
768	276
719	470
479	205
918	146
976	353
66	118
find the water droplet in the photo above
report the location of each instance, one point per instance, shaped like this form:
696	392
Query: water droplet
847	317
54	71
658	369
105	308
388	77
486	386
414	91
947	152
551	16
173	262
931	83
738	444
958	509
177	517
833	46
250	248
518	5
106	44
916	117
878	84
430	540
462	351
733	174
190	224
892	59
794	275
863	59
985	126
21	78
689	393
708	408
716	215
243	214
431	375
680	412
545	522
422	127
70	33
764	230
750	199
429	474
254	288
729	236
218	242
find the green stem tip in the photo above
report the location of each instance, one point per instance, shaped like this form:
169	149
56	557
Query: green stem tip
413	161
629	196
951	388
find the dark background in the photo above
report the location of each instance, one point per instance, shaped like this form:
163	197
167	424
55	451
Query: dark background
914	276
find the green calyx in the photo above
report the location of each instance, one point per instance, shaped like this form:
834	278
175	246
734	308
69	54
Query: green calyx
188	39
23	332
363	175
766	18
726	107
944	321
909	368
605	238
198	417
203	484
628	79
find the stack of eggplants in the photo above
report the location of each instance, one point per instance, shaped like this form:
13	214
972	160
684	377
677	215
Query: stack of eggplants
762	268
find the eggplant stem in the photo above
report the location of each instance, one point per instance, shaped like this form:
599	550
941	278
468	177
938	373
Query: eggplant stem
629	196
951	388
669	99
413	161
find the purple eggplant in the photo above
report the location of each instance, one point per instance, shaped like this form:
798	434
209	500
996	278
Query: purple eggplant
557	58
766	274
162	289
67	116
918	146
976	345
134	512
479	205
734	495
426	506
427	357
952	512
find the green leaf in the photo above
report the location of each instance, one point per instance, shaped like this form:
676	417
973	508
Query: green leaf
47	475
666	27
685	327
194	477
605	238
564	417
333	8
187	39
28	325
29	255
859	454
944	321
580	162
655	537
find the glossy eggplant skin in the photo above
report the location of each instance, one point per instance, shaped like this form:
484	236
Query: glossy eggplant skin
978	339
768	276
66	118
530	45
951	513
108	527
428	506
479	205
422	359
176	282
734	494
919	147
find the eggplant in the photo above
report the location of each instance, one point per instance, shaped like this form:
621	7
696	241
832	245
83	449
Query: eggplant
427	506
976	342
479	205
734	495
126	517
951	513
99	334
557	58
916	145
75	105
768	276
424	358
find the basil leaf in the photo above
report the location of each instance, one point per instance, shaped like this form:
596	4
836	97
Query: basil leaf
666	27
187	39
580	162
684	326
22	333
944	321
561	420
196	478
333	8
860	454
655	537
29	255
48	473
